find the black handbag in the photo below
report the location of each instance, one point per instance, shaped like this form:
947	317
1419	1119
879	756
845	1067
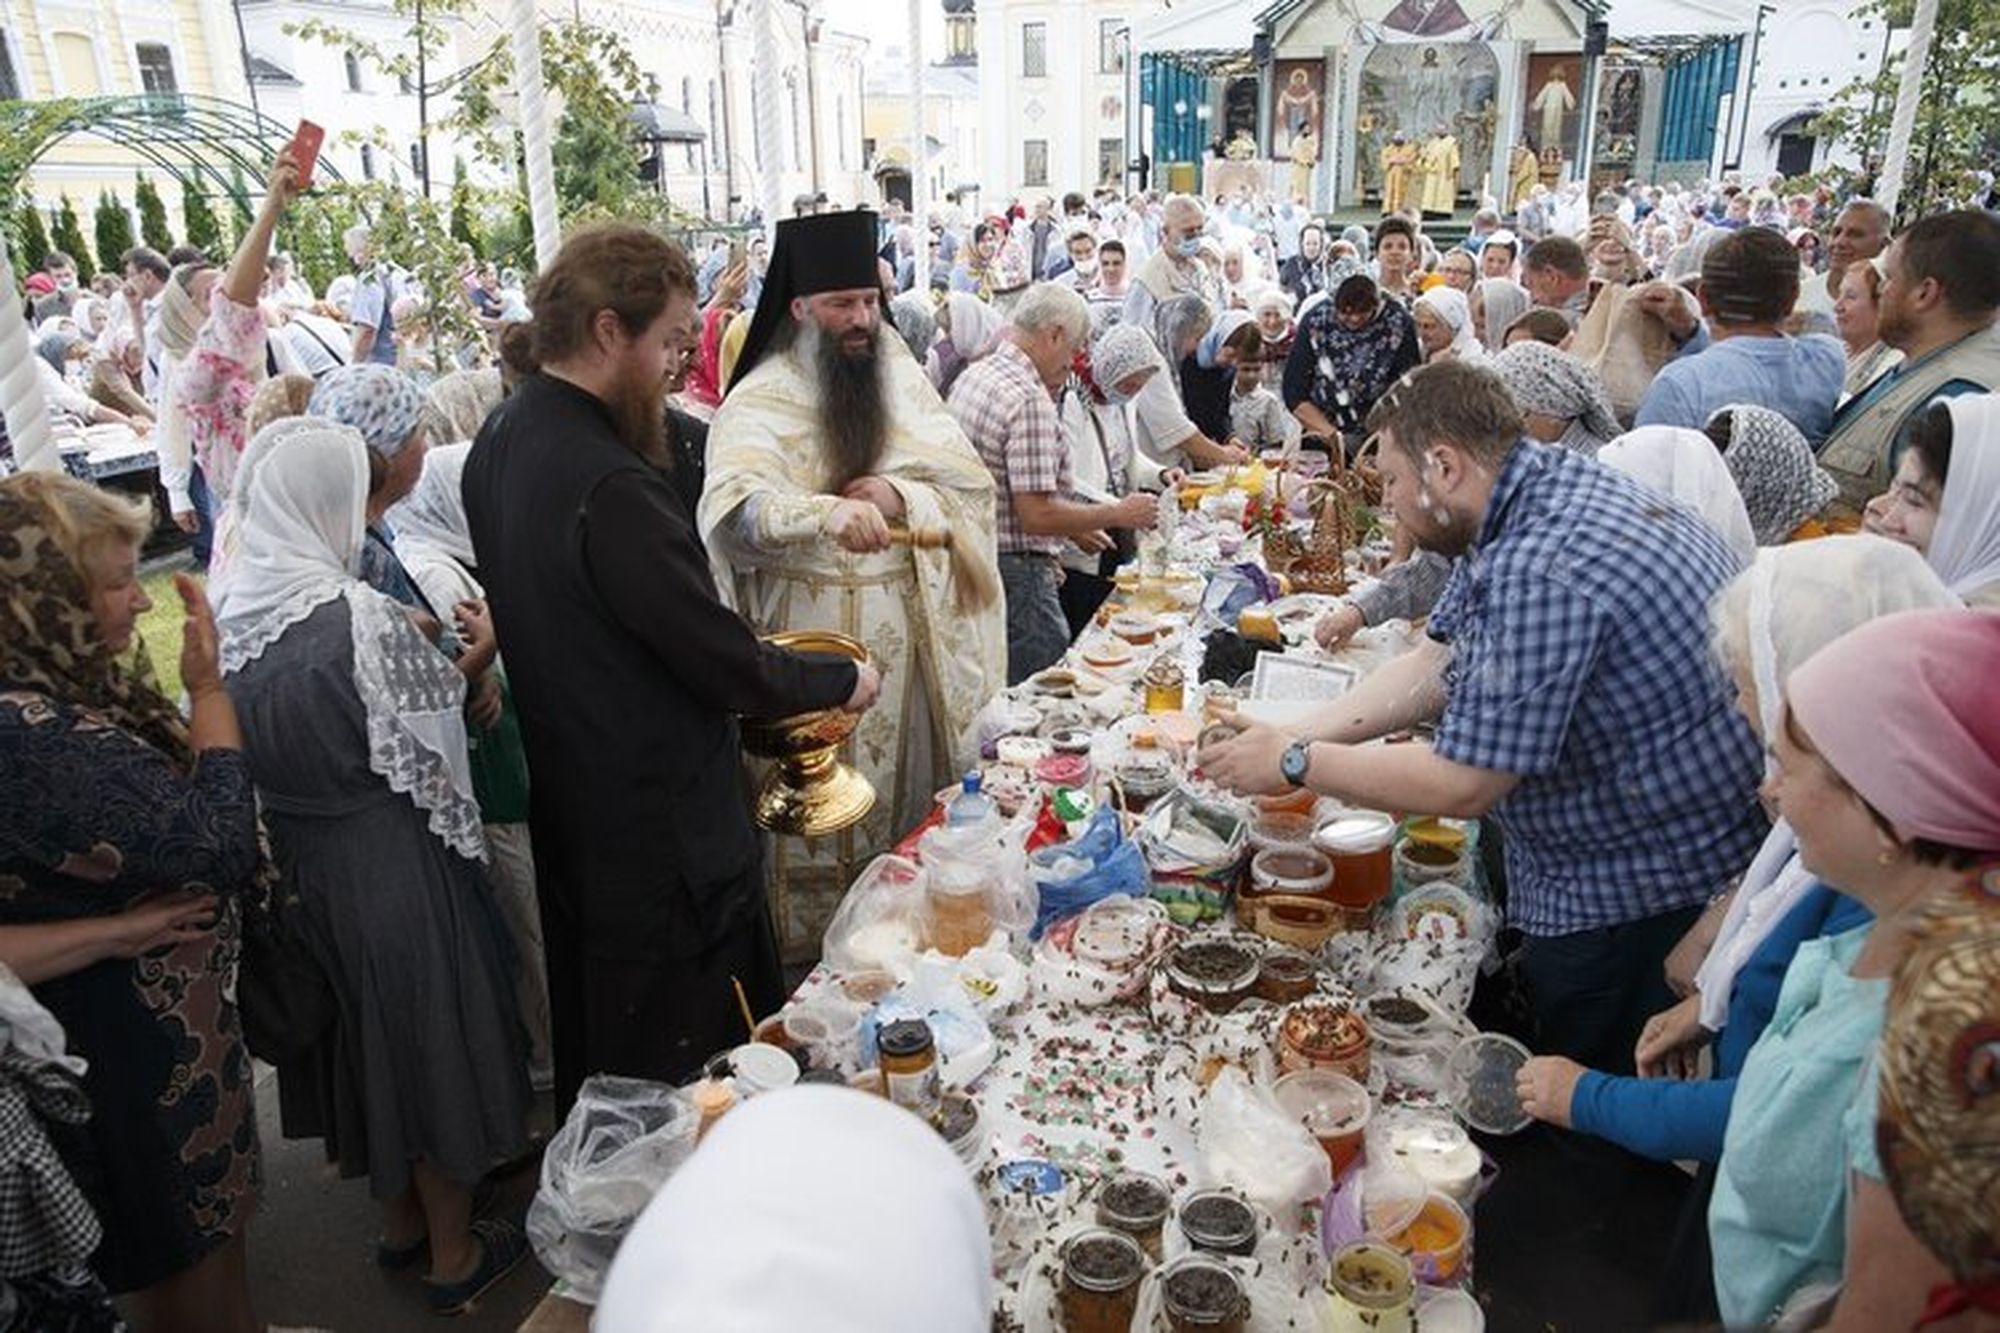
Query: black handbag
283	994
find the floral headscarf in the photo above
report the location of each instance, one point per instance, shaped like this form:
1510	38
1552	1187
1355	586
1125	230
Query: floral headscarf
1123	351
1554	383
1782	485
51	643
381	402
1940	1092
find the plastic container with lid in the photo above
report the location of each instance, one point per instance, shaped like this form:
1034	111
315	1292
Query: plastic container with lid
760	1067
1371	1290
1436	1149
1099	1288
1219	1221
1417	863
1332	1107
1136	1204
1358	843
1286	830
1480	1083
1201	1295
1391	1198
1323	1034
1436	1241
1216	971
1286	975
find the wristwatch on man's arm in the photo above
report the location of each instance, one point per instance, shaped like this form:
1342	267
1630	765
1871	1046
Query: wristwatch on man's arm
1296	760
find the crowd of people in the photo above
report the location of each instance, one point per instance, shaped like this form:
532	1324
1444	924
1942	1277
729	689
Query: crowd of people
1696	490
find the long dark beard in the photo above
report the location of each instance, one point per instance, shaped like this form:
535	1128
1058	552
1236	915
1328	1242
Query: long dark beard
639	407
853	411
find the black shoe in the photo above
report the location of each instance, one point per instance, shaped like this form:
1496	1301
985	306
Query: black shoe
502	1245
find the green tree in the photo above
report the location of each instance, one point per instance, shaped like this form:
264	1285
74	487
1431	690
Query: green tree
198	222
114	233
240	211
68	235
30	238
153	229
415	233
464	210
1956	132
593	73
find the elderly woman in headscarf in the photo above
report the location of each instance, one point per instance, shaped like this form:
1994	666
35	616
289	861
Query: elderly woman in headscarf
1166	432
1444	326
1495	303
1346	354
387	409
1888	770
967	330
1105	464
1683	465
1273	311
351	722
915	321
1560	398
1208	377
1766	623
128	836
1783	488
434	543
55	352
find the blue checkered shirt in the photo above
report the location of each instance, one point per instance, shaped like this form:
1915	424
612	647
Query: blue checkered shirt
1578	625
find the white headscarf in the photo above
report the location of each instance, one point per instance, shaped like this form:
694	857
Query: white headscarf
1793	601
1686	466
974	325
791	1215
430	521
1450	306
300	507
1965	546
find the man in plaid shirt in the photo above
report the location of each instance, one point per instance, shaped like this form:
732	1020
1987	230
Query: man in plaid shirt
1005	404
1569	674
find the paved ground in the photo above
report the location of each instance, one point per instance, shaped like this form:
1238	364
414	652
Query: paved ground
312	1249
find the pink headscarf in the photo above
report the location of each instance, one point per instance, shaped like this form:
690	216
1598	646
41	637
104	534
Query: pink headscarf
1903	710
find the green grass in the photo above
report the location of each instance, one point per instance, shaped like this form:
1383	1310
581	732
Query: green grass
160	629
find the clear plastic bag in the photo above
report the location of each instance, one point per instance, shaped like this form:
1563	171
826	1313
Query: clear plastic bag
622	1140
880	923
1249	1143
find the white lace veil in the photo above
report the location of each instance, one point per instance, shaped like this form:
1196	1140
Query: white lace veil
301	510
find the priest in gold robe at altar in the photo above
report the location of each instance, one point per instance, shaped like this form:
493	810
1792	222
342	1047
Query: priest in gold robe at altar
1439	164
830	450
1399	160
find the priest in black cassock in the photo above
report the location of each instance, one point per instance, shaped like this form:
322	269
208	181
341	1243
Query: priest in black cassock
629	676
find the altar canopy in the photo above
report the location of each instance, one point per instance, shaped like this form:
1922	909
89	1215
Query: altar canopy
1361	72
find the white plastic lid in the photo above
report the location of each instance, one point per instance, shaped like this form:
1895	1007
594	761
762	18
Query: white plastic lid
1479	1081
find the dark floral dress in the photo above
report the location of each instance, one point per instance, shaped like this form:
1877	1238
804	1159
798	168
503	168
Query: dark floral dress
93	818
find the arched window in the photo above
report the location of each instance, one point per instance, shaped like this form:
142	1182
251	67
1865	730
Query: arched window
353	63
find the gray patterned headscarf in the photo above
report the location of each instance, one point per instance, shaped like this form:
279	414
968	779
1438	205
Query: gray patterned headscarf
1773	465
1556	384
381	402
915	320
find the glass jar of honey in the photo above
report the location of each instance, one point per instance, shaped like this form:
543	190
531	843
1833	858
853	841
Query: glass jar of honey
907	1055
1166	686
